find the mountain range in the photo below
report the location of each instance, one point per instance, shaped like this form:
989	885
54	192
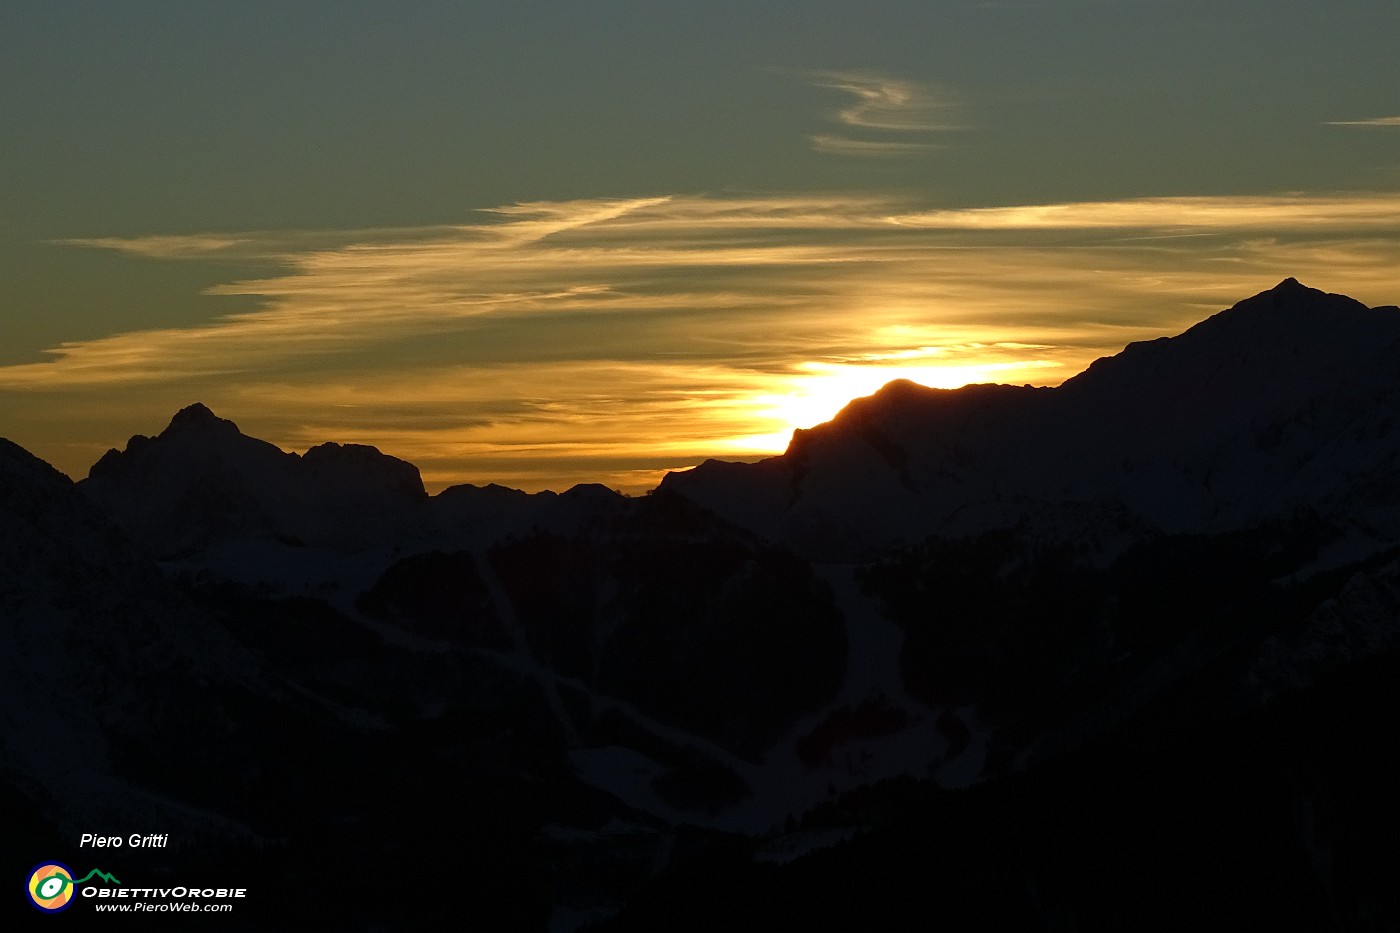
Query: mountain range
977	650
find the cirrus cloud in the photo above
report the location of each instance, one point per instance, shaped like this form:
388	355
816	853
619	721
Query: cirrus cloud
889	116
612	339
1374	121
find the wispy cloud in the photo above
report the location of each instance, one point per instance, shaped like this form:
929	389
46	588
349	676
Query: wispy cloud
611	339
886	103
1374	121
846	146
1184	215
889	116
165	247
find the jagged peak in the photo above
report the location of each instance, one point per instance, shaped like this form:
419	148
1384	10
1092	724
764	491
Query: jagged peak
198	416
1291	319
1288	294
1291	294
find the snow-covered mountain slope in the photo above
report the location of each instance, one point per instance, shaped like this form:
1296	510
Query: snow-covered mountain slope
1286	400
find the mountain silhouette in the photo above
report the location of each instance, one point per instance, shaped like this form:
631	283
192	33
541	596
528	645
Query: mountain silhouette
1284	401
974	652
202	480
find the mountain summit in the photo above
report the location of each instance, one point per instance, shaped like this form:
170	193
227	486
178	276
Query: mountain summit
199	417
1256	411
202	480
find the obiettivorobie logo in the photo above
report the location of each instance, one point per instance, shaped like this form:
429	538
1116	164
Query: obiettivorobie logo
51	886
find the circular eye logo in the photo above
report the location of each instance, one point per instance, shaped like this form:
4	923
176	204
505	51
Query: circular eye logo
51	887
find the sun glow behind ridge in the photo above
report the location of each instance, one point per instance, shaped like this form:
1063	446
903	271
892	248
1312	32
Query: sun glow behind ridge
611	341
819	390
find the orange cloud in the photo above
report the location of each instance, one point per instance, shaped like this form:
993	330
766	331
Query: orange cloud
619	338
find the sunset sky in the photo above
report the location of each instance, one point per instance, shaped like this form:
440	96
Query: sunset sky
542	243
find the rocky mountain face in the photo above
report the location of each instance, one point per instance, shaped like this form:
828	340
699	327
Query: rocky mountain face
942	619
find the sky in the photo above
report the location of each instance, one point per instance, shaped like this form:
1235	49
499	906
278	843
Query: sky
543	243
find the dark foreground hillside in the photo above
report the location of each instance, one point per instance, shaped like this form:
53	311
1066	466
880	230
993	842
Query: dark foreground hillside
1281	818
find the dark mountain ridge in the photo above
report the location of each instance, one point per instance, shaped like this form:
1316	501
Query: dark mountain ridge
1287	399
201	479
911	638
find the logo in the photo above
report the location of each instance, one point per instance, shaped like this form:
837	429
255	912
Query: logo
51	886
